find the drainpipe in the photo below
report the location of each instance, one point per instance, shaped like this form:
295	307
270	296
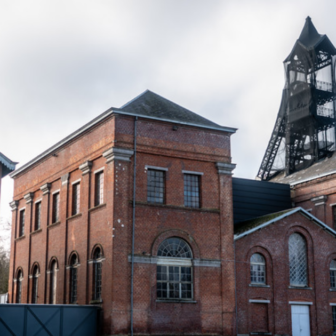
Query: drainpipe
133	221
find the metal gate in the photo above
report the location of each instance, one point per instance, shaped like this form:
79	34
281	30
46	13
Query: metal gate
48	320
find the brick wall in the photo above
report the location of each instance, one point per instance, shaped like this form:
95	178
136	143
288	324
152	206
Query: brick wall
272	243
208	230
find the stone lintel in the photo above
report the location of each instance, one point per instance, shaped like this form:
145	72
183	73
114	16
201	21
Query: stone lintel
225	168
86	167
46	188
65	178
120	154
319	200
14	205
29	197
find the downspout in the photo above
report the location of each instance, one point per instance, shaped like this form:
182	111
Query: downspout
235	271
133	221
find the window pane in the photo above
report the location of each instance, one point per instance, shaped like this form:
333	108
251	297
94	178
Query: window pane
99	188
55	217
38	216
334	318
22	223
174	291
297	260
191	191
174	247
155	186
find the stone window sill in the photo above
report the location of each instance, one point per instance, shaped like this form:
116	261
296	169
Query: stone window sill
98	207
169	206
96	301
259	285
19	238
260	333
175	301
36	231
332	290
299	287
54	224
74	216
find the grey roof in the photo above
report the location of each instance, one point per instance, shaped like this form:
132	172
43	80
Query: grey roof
248	227
153	106
7	165
310	39
148	105
319	169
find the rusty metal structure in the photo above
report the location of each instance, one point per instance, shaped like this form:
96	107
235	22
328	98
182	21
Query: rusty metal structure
304	131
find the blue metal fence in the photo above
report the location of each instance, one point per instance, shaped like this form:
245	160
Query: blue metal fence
48	320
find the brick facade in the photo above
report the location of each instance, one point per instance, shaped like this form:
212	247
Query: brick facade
267	307
108	147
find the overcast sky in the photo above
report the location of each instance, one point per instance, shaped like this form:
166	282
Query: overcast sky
64	62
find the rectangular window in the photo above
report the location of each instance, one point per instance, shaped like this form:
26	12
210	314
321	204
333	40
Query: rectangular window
191	190
22	223
37	216
55	209
334	216
75	198
155	186
174	282
334	318
99	188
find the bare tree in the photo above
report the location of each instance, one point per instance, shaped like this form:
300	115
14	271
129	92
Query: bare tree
5	230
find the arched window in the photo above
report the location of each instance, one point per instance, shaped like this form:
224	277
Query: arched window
174	272
19	279
73	278
258	269
297	260
53	281
97	273
333	274
35	283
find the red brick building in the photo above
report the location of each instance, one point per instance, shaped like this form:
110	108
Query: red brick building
133	212
286	275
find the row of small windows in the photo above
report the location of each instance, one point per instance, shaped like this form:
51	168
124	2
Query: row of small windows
156	185
297	253
75	209
74	263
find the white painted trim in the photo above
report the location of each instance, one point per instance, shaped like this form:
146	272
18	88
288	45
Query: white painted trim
56	191
22	209
332	204
99	170
156	168
174	261
332	304
301	303
192	172
321	203
38	201
259	301
309	210
299	209
75	182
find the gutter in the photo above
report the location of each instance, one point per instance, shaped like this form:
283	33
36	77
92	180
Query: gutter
100	118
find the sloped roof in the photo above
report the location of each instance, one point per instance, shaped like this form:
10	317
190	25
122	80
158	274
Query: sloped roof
310	39
309	36
148	105
7	165
152	105
319	169
245	228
